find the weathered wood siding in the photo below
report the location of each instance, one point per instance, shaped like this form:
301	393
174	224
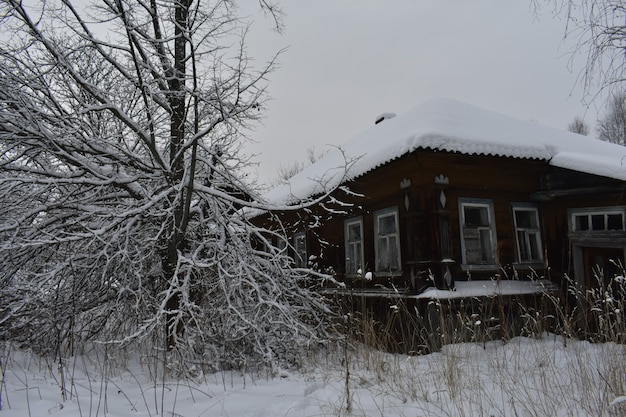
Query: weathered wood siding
430	232
502	180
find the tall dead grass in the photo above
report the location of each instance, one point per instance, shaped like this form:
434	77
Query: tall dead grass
562	354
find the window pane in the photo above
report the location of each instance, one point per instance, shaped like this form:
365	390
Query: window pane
527	234
393	255
526	219
387	241
485	245
383	254
533	241
615	222
476	216
597	222
354	232
357	256
353	255
354	245
582	222
472	251
523	245
478	232
386	225
300	247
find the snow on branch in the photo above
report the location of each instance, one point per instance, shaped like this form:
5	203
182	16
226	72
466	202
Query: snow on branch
123	200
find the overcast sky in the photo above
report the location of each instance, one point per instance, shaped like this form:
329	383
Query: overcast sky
350	60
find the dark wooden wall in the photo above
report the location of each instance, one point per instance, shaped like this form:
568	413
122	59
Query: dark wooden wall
409	183
502	180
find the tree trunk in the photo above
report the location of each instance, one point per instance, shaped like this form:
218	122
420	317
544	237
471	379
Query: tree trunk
177	96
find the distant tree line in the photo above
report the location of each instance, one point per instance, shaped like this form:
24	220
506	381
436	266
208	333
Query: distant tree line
611	127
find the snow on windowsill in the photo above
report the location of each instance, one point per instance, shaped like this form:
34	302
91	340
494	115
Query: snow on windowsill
484	288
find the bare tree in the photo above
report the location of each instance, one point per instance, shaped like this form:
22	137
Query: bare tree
285	172
579	126
612	127
599	32
123	207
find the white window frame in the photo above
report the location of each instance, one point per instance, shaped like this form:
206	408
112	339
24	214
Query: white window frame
300	251
388	240
596	212
473	236
354	248
525	237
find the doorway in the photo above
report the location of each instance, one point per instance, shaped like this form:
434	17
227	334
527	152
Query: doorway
601	265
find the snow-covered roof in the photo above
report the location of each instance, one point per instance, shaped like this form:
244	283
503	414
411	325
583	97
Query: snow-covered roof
452	126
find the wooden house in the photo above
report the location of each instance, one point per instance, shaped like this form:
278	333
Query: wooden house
449	193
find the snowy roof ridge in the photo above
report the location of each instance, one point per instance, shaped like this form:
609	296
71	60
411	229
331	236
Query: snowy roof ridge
452	126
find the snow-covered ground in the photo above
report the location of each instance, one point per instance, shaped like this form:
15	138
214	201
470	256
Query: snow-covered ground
549	376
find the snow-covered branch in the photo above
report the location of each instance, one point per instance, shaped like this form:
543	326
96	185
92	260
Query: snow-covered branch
120	182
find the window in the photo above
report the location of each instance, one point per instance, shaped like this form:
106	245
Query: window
387	241
353	232
598	238
278	243
527	234
281	244
299	246
597	220
478	232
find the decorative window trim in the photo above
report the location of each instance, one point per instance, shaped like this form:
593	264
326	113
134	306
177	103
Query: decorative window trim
351	246
391	239
300	250
478	234
526	254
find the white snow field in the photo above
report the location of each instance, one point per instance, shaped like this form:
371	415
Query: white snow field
545	376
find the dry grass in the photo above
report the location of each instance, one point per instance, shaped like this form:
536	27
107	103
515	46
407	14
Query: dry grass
551	359
554	361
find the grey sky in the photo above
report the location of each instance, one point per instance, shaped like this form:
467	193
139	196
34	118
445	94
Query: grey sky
350	60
